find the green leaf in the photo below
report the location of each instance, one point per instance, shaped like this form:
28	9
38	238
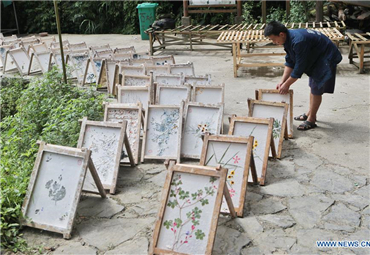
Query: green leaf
199	234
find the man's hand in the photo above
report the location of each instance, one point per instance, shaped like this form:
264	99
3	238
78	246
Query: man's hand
279	85
284	88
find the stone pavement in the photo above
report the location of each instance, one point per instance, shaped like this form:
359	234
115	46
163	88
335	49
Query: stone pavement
319	190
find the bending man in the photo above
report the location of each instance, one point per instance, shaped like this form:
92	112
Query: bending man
307	51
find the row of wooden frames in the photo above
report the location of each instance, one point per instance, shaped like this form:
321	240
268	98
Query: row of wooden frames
221	166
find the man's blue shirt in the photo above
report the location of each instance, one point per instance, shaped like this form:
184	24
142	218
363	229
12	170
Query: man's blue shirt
311	52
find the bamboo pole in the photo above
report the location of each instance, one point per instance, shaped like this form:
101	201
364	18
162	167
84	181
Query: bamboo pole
60	40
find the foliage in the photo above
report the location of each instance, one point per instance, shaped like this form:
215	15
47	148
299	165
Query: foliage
47	110
251	11
299	11
11	89
277	13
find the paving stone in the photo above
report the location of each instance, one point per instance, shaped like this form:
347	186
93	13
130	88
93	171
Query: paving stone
250	250
146	167
366	211
355	200
290	188
307	210
252	197
341	218
274	240
250	225
156	170
267	206
146	208
299	249
305	159
282	169
98	207
328	181
364	191
128	176
308	238
136	246
36	237
75	248
105	234
159	179
366	221
279	220
229	241
359	180
132	194
222	219
360	236
342	170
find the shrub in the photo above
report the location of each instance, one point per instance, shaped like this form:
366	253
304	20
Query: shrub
47	110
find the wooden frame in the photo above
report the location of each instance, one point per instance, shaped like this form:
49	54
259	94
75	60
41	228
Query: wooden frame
109	74
122	56
192	132
163	60
357	45
210	99
57	57
171	98
121	140
55	45
38	48
272	95
106	54
169	79
261	170
138	90
216	174
81	46
48	40
243	176
16	55
3	51
136	80
163	137
185	69
56	193
79	62
198	79
118	115
95	49
93	71
276	126
141	61
125	49
43	60
164	69
125	69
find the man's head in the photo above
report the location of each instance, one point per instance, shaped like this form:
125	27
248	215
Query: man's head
276	32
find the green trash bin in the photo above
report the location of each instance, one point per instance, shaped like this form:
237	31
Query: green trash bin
146	17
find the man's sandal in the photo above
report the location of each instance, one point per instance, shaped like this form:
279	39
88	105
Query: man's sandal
301	117
306	125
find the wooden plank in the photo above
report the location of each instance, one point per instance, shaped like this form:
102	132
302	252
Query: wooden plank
361	37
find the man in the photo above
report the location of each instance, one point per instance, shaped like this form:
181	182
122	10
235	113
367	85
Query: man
307	51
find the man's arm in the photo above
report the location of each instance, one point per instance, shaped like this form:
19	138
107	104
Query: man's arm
284	88
287	71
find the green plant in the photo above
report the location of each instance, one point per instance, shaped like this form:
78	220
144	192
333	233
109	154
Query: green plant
250	11
47	110
11	89
276	13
